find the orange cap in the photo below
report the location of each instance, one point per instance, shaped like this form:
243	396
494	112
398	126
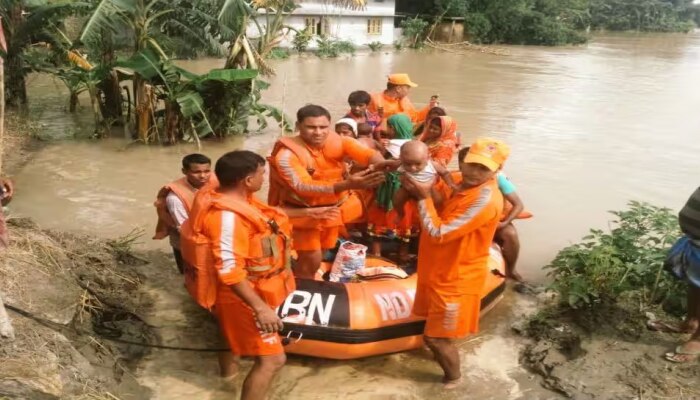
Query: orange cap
489	152
401	79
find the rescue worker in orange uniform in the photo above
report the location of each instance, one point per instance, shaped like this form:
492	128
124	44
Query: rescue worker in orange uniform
308	172
394	100
249	249
174	201
453	253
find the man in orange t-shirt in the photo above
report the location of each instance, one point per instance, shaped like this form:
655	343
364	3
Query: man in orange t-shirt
453	253
308	175
394	100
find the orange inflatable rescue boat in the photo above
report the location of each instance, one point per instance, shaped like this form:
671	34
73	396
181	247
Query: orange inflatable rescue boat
360	319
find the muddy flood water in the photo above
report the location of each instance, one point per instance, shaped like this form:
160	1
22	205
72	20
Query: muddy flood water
590	127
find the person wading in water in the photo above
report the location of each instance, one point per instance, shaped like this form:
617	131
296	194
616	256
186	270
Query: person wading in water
174	201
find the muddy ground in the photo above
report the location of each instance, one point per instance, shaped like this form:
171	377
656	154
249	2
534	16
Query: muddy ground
19	142
69	297
607	353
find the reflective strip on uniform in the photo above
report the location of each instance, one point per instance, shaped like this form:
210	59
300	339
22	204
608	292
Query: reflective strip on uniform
228	259
261	268
287	170
469	214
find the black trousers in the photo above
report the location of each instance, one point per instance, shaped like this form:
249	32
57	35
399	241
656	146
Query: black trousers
178	260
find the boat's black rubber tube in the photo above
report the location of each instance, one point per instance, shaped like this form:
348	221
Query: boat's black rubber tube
361	336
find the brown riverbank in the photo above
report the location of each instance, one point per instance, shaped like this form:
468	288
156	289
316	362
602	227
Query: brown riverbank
18	143
67	296
605	354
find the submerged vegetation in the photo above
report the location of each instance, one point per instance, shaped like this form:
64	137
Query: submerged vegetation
557	22
137	40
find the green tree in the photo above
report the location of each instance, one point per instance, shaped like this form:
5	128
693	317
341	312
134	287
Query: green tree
25	23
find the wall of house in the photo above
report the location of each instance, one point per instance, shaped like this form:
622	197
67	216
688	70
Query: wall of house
351	28
373	7
343	24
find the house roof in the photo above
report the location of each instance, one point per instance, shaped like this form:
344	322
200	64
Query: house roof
384	9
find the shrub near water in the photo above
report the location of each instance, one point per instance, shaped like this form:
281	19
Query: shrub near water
414	30
375	46
331	48
627	260
301	41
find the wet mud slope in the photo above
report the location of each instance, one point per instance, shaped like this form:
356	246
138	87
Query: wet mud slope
73	301
606	354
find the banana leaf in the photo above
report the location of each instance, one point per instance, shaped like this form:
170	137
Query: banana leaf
145	63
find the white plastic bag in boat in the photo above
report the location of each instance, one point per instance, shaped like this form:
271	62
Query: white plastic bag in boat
348	262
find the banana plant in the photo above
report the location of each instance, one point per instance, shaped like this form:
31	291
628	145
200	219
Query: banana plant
194	106
26	23
148	21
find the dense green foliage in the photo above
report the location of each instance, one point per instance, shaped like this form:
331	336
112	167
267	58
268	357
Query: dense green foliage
163	104
627	260
556	22
301	41
414	30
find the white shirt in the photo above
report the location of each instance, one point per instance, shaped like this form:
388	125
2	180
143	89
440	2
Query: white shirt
177	210
394	147
425	175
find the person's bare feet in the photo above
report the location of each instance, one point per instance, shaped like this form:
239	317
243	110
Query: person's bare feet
452	384
512	275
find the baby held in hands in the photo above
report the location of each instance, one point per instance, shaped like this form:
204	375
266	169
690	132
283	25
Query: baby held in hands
416	163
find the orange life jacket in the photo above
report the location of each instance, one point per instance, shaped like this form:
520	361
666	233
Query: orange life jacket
268	264
282	195
185	192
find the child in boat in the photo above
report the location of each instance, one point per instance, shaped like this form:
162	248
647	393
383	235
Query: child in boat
358	102
506	234
381	214
365	134
416	163
346	127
